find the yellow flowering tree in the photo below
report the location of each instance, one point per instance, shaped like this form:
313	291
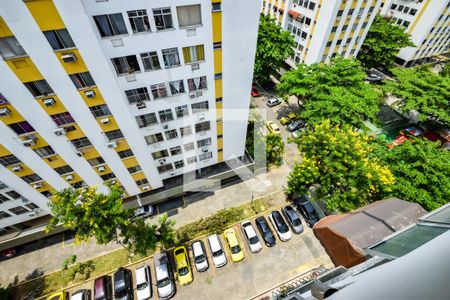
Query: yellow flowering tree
339	164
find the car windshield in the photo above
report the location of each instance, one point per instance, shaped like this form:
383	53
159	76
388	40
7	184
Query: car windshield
200	259
235	249
282	228
218	253
296	222
142	285
253	240
163	282
183	271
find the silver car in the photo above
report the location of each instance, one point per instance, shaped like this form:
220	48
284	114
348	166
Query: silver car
273	102
293	218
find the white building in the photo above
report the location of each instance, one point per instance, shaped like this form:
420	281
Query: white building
323	29
428	23
135	92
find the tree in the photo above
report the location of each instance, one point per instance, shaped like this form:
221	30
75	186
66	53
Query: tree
421	90
334	91
165	231
339	164
274	149
139	237
274	46
422	172
445	70
382	43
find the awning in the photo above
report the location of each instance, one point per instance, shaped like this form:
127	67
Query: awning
294	14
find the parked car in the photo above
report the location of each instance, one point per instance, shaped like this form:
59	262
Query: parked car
8	253
233	244
406	134
255	92
200	258
218	256
296	134
271	102
81	295
143	283
296	125
307	210
62	295
144	211
291	117
182	264
273	127
163	274
251	236
282	229
103	288
372	77
266	232
293	218
123	284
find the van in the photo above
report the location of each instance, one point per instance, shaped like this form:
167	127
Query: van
218	255
163	274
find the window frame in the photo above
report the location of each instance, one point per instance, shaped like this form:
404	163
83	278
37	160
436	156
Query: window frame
162	14
140	14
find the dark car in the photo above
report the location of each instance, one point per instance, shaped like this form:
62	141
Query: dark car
307	210
266	232
123	284
293	218
296	125
103	288
372	77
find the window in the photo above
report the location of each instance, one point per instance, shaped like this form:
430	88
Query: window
204	142
134	169
81	142
137	95
9	160
64	170
175	150
96	161
194	54
198	83
3	100
312	5
191	160
413	11
160	154
217	76
108	176
82	80
110	25
185	131
170	57
44	151
4	215
150	61
13	194
165	168
218	7
176	87
146	120
114	135
59	39
179	164
189	146
62	118
205	156
217	45
189	15
39	88
171	134
182	111
165	115
10	47
31	206
18	210
100	110
126	64
200	106
21	127
31	178
125	153
163	18
142	181
3	198
139	20
203	126
159	90
154	138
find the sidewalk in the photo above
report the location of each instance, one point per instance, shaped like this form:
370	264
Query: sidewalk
51	256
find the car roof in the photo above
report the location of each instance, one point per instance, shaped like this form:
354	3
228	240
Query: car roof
140	274
214	242
250	231
231	236
161	271
160	258
197	247
181	260
99	284
77	295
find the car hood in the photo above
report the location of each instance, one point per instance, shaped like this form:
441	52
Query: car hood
166	291
201	266
237	256
143	294
285	236
255	247
219	260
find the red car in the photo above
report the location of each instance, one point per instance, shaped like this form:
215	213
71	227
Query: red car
404	135
255	92
8	253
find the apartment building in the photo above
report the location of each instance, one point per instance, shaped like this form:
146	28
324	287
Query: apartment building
130	92
323	29
428	23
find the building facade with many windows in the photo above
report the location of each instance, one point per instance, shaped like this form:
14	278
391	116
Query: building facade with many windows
130	92
428	23
323	29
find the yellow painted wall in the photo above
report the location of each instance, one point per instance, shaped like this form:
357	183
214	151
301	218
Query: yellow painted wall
122	145
217	26
218	61
4	29
220	156
14	115
55	161
75	134
97	100
218	84
45	14
57	108
89	153
24	172
108	127
24	69
138	176
4	151
130	162
72	67
220	143
219	128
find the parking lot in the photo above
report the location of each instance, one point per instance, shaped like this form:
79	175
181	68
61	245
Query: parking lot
257	273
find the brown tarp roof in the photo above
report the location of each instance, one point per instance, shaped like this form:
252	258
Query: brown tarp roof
344	236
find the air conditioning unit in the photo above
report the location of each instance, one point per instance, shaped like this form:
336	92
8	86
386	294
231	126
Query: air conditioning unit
4	112
101	169
59	131
69	57
192	95
69	177
162	161
32	214
146	187
29	142
17	168
111	144
49	102
195	66
172	173
105	121
198	94
204	149
141	105
89	94
166	127
201	117
38	186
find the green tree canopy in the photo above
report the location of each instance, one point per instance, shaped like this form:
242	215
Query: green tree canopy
421	90
339	164
445	70
422	172
273	48
334	91
274	149
382	43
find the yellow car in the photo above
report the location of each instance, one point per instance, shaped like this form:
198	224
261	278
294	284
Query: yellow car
182	264
59	296
236	252
273	128
290	117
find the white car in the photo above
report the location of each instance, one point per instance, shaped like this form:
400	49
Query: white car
144	211
143	283
218	256
282	229
251	236
163	275
200	259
